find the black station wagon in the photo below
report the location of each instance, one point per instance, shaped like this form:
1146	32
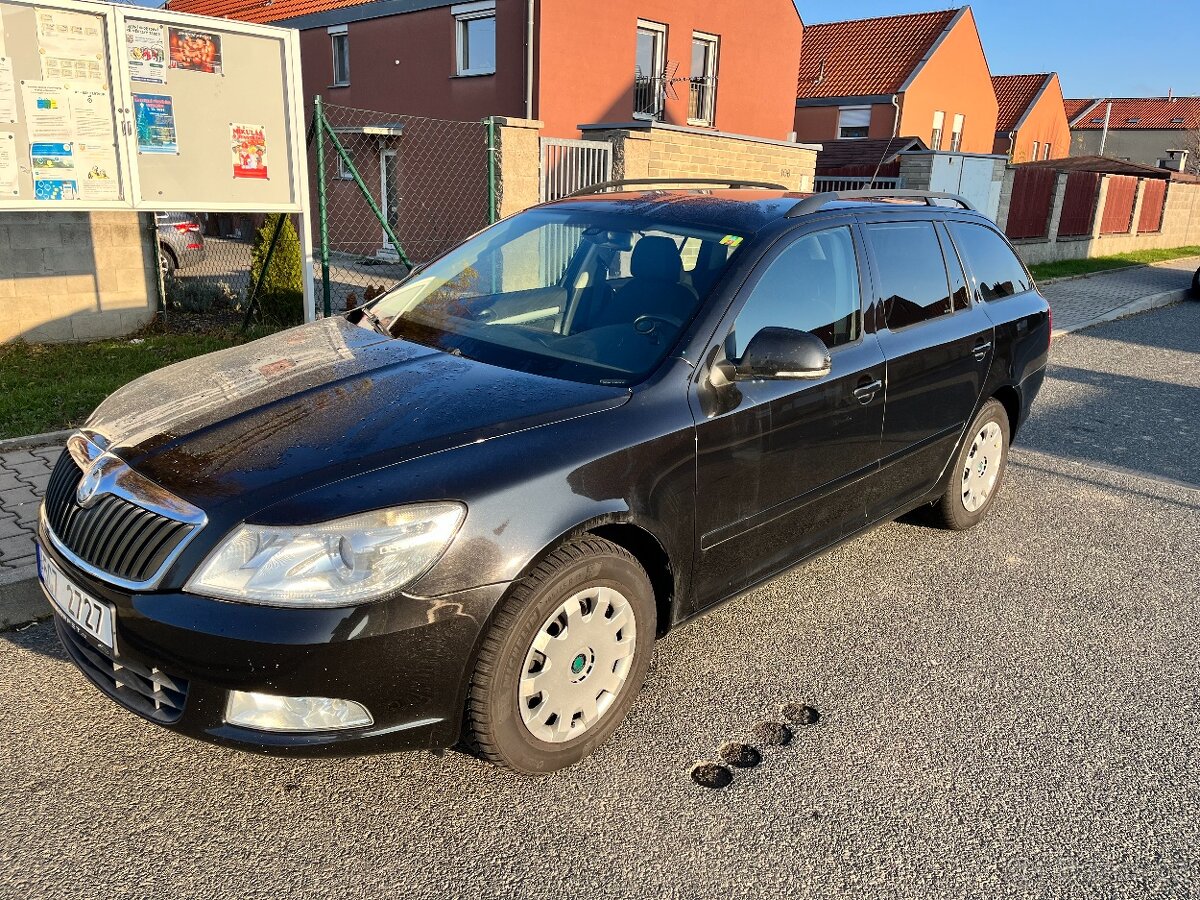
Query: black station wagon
463	513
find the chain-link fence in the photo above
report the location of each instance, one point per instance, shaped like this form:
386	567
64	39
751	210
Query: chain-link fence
406	188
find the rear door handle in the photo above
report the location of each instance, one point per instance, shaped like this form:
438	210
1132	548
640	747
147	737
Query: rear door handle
865	393
981	349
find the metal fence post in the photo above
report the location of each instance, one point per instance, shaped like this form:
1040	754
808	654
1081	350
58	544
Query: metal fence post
262	274
322	206
490	121
353	170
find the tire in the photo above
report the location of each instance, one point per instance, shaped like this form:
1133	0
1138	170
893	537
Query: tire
1196	285
166	261
971	492
514	722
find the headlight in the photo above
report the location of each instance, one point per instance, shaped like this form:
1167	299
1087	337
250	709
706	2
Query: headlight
335	563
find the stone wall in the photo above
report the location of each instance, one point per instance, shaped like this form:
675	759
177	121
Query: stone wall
76	276
1180	224
654	150
518	163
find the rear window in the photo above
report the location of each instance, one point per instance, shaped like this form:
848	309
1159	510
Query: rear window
997	271
912	274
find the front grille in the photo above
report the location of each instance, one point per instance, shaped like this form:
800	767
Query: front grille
115	535
151	692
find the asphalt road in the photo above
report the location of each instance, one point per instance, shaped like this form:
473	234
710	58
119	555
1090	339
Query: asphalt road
1010	712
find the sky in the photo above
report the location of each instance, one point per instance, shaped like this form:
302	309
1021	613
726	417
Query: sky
1100	48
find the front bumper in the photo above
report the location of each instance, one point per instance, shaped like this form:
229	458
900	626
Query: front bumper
407	659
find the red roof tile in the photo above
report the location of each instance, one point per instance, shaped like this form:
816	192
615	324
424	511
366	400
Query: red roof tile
864	57
258	10
1175	114
1015	94
1075	107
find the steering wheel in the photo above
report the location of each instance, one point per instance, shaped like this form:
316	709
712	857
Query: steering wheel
646	324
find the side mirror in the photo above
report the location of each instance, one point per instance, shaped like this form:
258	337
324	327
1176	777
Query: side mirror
783	353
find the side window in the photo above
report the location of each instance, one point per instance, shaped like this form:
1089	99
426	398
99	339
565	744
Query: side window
959	291
997	271
811	286
912	275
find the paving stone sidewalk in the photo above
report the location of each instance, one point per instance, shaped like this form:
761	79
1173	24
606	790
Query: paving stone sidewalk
1076	302
24	473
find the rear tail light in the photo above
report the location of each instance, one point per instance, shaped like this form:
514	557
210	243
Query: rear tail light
195	246
187	226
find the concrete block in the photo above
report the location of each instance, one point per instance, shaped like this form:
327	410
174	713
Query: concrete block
26	261
97	326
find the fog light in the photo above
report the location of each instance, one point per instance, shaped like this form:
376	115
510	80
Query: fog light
267	712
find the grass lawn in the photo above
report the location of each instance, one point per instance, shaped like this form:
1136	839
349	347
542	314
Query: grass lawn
48	387
1065	267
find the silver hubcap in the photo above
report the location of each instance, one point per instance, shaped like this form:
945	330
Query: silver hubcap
577	665
982	467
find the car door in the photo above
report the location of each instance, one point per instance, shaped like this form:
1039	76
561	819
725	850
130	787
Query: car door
938	347
781	464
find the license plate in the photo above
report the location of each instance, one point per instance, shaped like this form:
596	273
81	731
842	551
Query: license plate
90	615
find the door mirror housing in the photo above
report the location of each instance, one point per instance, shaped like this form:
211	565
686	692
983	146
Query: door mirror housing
783	353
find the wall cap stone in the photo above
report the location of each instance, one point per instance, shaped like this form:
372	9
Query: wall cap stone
510	122
637	125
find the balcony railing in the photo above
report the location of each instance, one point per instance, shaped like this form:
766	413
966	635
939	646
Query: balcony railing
702	97
648	96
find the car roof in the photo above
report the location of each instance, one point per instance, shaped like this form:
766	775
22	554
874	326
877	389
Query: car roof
733	209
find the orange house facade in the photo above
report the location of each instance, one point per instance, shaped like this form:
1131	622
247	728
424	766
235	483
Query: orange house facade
566	62
923	75
1032	123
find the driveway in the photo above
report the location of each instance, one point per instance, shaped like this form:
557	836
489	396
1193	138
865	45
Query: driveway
1008	712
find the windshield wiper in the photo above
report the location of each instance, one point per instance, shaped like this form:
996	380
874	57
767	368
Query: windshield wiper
376	322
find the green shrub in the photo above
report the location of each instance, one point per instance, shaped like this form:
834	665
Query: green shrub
281	294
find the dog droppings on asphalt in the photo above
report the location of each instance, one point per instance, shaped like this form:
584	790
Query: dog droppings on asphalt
743	756
711	775
800	713
772	734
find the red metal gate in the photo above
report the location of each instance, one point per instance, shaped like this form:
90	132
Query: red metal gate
1118	204
1079	204
1154	201
1032	198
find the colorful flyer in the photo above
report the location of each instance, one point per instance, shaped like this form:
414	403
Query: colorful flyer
47	111
155	117
195	51
53	167
8	163
147	46
249	146
8	91
96	172
71	45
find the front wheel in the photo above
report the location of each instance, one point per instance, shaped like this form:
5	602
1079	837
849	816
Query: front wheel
978	470
564	659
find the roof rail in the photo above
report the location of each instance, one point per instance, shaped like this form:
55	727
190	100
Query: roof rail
816	201
711	182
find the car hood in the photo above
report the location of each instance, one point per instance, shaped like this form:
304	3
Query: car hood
254	424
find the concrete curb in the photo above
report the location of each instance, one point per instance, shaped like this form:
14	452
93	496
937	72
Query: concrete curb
46	439
21	598
1150	301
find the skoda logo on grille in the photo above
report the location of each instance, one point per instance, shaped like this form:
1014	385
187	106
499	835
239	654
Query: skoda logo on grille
93	479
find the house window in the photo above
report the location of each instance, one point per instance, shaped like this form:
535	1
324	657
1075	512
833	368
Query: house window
854	121
702	86
341	54
939	123
956	133
650	61
475	37
1037	149
343	171
1046	150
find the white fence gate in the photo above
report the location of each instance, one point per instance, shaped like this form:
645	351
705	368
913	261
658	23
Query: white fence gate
974	177
568	165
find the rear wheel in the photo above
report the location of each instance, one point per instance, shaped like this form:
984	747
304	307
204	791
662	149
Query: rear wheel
1196	285
978	470
166	262
564	659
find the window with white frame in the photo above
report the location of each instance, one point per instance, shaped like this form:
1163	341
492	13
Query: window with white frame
939	124
475	37
702	86
343	171
649	63
956	132
1046	150
1037	149
340	38
854	121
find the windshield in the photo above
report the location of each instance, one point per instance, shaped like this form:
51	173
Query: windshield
595	297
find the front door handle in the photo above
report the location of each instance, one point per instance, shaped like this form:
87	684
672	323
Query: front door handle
981	349
865	393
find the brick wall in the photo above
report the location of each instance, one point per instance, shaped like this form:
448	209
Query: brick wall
75	276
